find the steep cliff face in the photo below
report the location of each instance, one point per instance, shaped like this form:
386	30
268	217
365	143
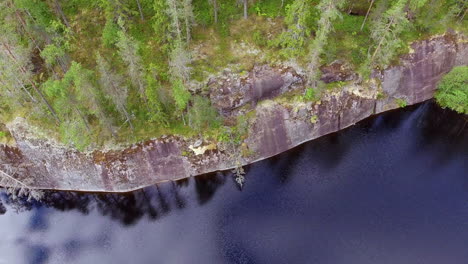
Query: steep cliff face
277	126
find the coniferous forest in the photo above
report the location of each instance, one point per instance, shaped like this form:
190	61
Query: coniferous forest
91	72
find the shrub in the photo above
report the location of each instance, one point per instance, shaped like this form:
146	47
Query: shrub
453	90
310	94
202	114
259	39
401	102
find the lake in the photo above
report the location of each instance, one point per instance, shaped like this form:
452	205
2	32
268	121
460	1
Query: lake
391	189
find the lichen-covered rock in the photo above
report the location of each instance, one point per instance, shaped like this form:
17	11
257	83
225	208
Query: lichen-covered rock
232	91
277	126
415	79
337	71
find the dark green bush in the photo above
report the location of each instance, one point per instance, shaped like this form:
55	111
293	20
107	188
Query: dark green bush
453	90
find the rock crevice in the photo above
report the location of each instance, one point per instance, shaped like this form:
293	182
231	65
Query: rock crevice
277	126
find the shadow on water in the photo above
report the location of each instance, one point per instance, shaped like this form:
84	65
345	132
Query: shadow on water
152	202
206	186
156	201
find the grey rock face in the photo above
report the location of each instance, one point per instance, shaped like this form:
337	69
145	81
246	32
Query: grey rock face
337	71
232	91
277	127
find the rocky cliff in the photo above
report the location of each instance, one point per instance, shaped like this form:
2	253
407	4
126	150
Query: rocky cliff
278	125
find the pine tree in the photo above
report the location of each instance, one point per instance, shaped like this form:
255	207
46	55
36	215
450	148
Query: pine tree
161	22
128	51
114	88
188	19
180	72
386	33
156	113
87	93
329	12
15	61
293	40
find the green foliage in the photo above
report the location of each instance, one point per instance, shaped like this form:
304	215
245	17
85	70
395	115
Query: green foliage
128	51
348	42
156	113
138	85
202	115
110	33
203	10
453	90
259	39
74	133
270	8
39	11
298	20
310	95
180	94
328	14
314	119
51	53
401	102
386	34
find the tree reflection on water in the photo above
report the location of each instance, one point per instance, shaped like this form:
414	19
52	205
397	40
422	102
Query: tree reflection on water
128	208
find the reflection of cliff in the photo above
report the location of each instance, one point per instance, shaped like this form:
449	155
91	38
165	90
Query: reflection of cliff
207	185
151	202
276	126
2	208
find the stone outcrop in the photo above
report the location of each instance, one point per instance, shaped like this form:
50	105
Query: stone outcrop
277	126
337	71
232	91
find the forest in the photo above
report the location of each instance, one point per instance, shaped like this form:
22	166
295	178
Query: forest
91	72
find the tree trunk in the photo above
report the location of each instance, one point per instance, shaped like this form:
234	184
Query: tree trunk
381	40
58	7
139	9
245	9
26	90
215	8
23	70
83	117
187	30
24	25
127	116
464	14
367	14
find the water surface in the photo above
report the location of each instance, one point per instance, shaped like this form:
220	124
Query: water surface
392	189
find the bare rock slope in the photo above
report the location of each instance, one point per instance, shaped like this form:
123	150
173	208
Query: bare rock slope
41	163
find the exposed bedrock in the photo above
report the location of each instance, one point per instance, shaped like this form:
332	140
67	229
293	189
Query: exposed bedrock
42	163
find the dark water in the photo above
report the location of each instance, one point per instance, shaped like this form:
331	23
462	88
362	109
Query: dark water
392	189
